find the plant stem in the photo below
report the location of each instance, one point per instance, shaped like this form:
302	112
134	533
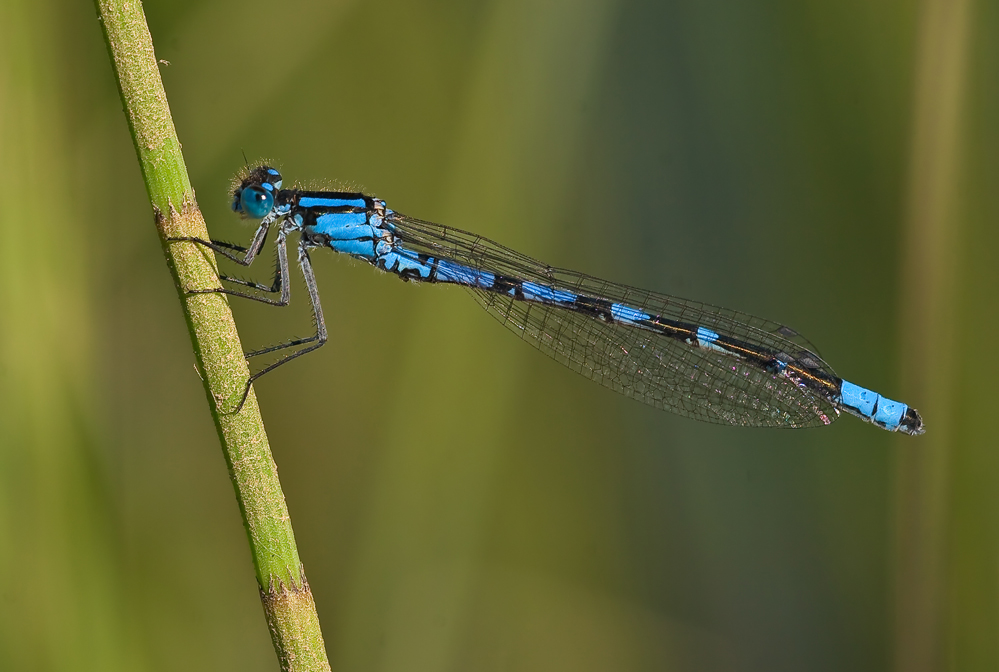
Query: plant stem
284	591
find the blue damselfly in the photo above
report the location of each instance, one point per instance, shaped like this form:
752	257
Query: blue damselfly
694	359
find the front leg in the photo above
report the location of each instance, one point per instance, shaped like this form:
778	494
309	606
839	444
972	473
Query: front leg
281	282
281	275
311	343
226	249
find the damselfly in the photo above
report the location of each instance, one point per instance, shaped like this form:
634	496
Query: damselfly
690	358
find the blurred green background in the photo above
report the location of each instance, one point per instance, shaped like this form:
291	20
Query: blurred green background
461	502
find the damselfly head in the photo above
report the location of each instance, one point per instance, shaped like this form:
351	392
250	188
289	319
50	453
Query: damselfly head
254	197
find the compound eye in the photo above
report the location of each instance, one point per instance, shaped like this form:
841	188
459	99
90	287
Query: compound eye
256	202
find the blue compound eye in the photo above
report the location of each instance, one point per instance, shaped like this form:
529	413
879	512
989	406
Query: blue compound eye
256	202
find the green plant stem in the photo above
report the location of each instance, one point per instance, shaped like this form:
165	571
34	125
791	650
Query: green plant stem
284	591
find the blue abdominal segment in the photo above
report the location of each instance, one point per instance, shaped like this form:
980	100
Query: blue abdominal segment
448	271
628	315
405	264
871	406
708	339
535	292
706	336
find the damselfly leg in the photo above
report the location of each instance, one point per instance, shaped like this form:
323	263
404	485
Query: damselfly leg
280	285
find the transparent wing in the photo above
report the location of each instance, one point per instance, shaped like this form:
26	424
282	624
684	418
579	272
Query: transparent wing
664	372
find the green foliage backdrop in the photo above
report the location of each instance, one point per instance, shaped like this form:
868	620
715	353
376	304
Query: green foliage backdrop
460	501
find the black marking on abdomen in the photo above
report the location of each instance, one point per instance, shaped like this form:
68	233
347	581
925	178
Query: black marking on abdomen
502	284
599	309
671	328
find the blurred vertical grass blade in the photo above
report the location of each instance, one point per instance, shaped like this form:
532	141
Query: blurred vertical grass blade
973	582
420	553
285	593
932	278
61	593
